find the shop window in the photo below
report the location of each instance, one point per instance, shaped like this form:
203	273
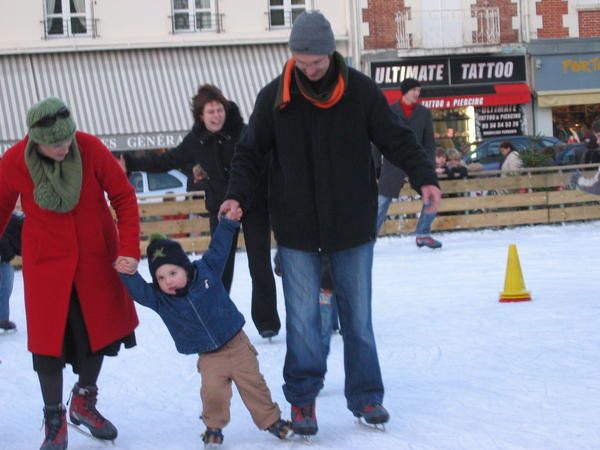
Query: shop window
573	123
453	127
282	13
196	15
68	18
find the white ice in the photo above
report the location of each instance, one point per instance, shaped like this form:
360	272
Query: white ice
461	370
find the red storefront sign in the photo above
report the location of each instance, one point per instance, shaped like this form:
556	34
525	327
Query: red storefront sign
503	94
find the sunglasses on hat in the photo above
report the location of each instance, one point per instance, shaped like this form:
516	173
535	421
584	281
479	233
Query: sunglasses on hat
49	120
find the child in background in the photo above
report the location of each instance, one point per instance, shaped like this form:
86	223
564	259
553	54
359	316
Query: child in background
440	161
202	319
455	169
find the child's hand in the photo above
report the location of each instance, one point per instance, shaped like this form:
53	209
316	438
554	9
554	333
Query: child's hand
234	215
231	209
126	265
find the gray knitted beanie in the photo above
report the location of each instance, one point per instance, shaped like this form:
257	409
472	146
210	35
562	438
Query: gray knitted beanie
312	34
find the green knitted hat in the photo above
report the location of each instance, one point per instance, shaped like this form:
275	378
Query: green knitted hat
58	132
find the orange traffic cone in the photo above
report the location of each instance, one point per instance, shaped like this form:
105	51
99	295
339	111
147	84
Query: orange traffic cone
514	285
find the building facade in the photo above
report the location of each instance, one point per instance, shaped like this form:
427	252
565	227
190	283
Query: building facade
474	60
128	69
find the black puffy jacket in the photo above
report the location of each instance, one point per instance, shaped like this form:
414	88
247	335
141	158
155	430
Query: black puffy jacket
213	151
322	184
10	242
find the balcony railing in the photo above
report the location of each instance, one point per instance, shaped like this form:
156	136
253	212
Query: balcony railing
74	27
279	18
447	28
200	21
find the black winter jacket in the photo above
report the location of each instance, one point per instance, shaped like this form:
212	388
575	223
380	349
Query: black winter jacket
213	151
10	242
323	189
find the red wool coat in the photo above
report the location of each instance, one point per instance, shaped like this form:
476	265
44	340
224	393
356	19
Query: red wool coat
75	248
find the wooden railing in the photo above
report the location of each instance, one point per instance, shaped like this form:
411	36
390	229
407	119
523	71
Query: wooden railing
486	200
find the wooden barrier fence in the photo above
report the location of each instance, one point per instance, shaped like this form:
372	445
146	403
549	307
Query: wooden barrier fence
484	200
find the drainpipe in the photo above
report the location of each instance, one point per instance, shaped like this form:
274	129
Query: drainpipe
354	31
524	10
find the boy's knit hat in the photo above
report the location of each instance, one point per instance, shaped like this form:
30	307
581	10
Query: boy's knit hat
312	34
41	127
408	84
165	251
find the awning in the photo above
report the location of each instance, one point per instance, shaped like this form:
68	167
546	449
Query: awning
456	97
566	98
137	98
17	94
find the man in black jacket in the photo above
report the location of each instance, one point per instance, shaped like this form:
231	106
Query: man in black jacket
316	122
418	118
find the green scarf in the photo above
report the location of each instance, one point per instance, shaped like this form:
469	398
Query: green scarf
57	184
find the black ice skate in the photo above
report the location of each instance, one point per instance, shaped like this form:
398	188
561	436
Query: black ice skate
212	437
7	327
281	429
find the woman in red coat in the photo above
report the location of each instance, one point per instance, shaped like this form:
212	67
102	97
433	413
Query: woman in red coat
77	309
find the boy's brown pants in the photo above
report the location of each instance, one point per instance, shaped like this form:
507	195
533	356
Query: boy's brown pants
236	361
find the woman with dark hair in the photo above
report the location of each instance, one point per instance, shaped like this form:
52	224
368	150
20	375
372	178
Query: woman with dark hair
78	310
211	143
511	160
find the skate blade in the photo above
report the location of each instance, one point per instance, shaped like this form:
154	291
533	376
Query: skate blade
7	332
371	426
305	439
212	445
74	427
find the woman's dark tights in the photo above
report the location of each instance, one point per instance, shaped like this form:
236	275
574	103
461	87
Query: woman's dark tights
52	382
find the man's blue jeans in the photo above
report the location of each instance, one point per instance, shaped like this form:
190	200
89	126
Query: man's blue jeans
6	287
305	360
423	225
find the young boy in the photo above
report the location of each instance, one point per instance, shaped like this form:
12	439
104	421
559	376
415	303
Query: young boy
201	317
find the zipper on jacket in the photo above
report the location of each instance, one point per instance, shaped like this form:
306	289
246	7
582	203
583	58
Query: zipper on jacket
201	321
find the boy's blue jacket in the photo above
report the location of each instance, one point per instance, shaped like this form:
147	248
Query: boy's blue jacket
205	318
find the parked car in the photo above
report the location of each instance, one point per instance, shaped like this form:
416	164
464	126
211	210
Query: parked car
171	182
487	152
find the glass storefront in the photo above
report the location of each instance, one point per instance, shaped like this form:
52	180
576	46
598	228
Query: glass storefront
572	123
454	128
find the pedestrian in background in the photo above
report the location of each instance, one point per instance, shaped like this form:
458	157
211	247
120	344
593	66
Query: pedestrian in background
417	117
10	246
217	128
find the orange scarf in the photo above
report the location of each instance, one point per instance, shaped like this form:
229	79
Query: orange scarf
284	95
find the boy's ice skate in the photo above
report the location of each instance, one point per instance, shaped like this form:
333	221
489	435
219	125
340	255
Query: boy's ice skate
212	437
82	411
281	429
